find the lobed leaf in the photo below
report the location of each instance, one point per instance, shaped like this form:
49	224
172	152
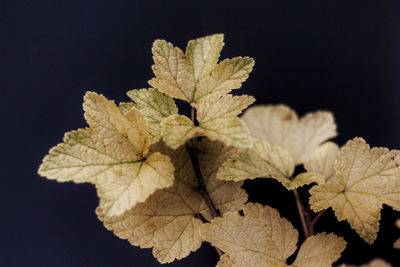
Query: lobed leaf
155	107
177	129
111	155
227	75
218	119
280	126
364	179
169	219
172	71
265	161
260	237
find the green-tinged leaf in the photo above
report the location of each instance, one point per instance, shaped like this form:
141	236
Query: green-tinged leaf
323	160
177	129
155	107
280	126
364	179
202	55
172	71
228	75
218	119
169	219
195	75
262	160
111	155
260	237
125	107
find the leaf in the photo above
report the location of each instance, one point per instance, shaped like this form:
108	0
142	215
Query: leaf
280	126
323	160
262	238
111	155
203	54
195	75
169	220
227	75
125	107
177	129
364	180
172	71
320	250
155	107
218	119
267	161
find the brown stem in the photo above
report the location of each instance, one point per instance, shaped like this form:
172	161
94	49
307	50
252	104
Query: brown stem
302	213
202	190
314	221
192	114
202	187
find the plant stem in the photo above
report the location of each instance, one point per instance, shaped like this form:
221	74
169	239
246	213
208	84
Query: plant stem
302	212
202	187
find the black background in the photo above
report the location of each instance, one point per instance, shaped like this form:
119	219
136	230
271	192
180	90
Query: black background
342	56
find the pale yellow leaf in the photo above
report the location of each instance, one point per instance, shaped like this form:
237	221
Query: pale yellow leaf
260	237
104	118
177	129
280	126
323	160
111	155
117	196
303	179
262	160
265	161
218	119
155	107
225	261
168	220
228	75
320	250
364	180
172	71
202	55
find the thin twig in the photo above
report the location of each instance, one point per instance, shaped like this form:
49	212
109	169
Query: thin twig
314	221
202	187
302	212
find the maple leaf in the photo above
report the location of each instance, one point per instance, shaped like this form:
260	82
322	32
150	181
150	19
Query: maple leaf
217	119
155	107
260	237
194	75
112	154
169	220
265	160
364	179
280	126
